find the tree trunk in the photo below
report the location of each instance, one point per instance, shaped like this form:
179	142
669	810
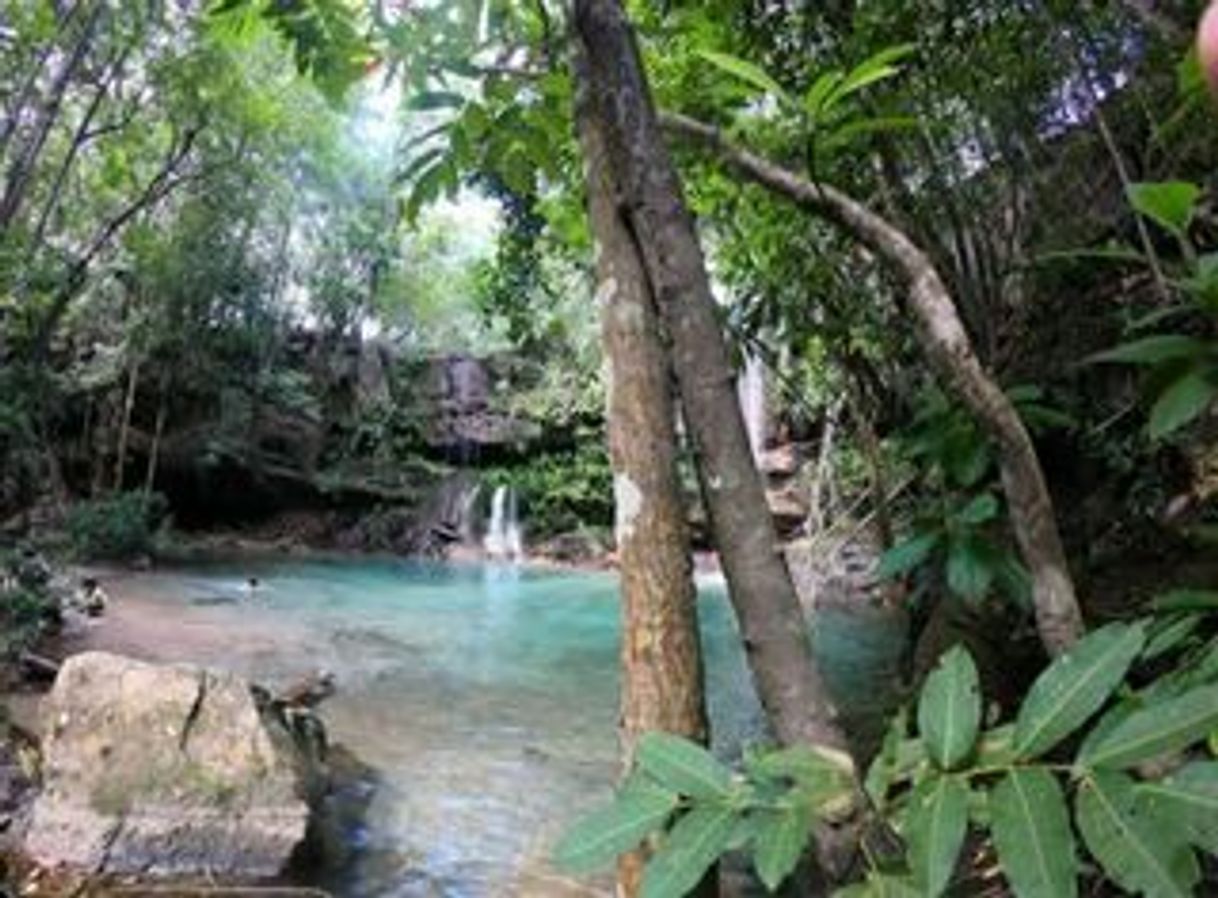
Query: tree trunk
154	450
124	426
947	346
661	658
21	172
652	210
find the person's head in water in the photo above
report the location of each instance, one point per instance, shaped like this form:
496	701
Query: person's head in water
252	583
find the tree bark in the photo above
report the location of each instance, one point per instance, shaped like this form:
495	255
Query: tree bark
661	657
124	427
947	346
154	451
652	210
21	172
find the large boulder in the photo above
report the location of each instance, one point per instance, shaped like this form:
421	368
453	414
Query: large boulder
164	771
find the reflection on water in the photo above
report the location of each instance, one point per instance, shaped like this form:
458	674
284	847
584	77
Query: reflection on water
485	697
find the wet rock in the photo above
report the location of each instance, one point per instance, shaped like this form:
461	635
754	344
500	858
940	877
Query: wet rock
164	771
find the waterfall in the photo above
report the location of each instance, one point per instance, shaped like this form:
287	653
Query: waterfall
751	390
465	525
504	536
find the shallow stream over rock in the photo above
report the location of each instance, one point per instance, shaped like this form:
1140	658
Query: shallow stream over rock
485	698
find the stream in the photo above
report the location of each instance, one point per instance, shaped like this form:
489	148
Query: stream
484	697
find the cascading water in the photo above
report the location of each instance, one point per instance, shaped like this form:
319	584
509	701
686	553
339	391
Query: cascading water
751	390
504	539
469	501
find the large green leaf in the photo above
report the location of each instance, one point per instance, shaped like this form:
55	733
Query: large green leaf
1074	687
1140	853
935	830
1186	398
1031	828
1169	204
1160	727
1152	350
779	843
692	846
949	711
597	839
1189	796
683	766
745	71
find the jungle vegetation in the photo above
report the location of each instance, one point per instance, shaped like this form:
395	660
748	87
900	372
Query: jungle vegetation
975	240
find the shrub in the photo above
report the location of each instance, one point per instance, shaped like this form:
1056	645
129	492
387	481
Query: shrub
117	527
1107	771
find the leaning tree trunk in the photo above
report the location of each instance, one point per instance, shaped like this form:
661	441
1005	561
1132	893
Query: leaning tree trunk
947	346
661	658
653	213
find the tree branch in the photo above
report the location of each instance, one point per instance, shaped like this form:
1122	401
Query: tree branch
947	346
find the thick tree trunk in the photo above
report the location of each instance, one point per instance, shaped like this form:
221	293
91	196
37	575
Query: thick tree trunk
947	346
661	658
652	210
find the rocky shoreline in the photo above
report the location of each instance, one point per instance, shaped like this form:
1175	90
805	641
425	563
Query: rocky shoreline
127	776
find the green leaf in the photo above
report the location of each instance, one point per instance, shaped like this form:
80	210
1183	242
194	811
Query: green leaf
1181	402
1031	828
970	567
1160	727
883	769
935	829
847	133
802	763
597	839
1075	686
907	555
1169	633
1170	204
949	711
875	68
1187	600
981	509
692	846
434	99
1189	796
1152	350
1138	852
822	88
683	766
746	72
780	842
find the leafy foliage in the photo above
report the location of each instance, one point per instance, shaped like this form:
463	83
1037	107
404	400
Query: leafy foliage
702	809
115	528
1084	737
1182	369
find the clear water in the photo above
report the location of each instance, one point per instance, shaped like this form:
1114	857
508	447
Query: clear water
485	697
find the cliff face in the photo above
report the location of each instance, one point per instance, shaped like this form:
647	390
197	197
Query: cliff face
333	428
